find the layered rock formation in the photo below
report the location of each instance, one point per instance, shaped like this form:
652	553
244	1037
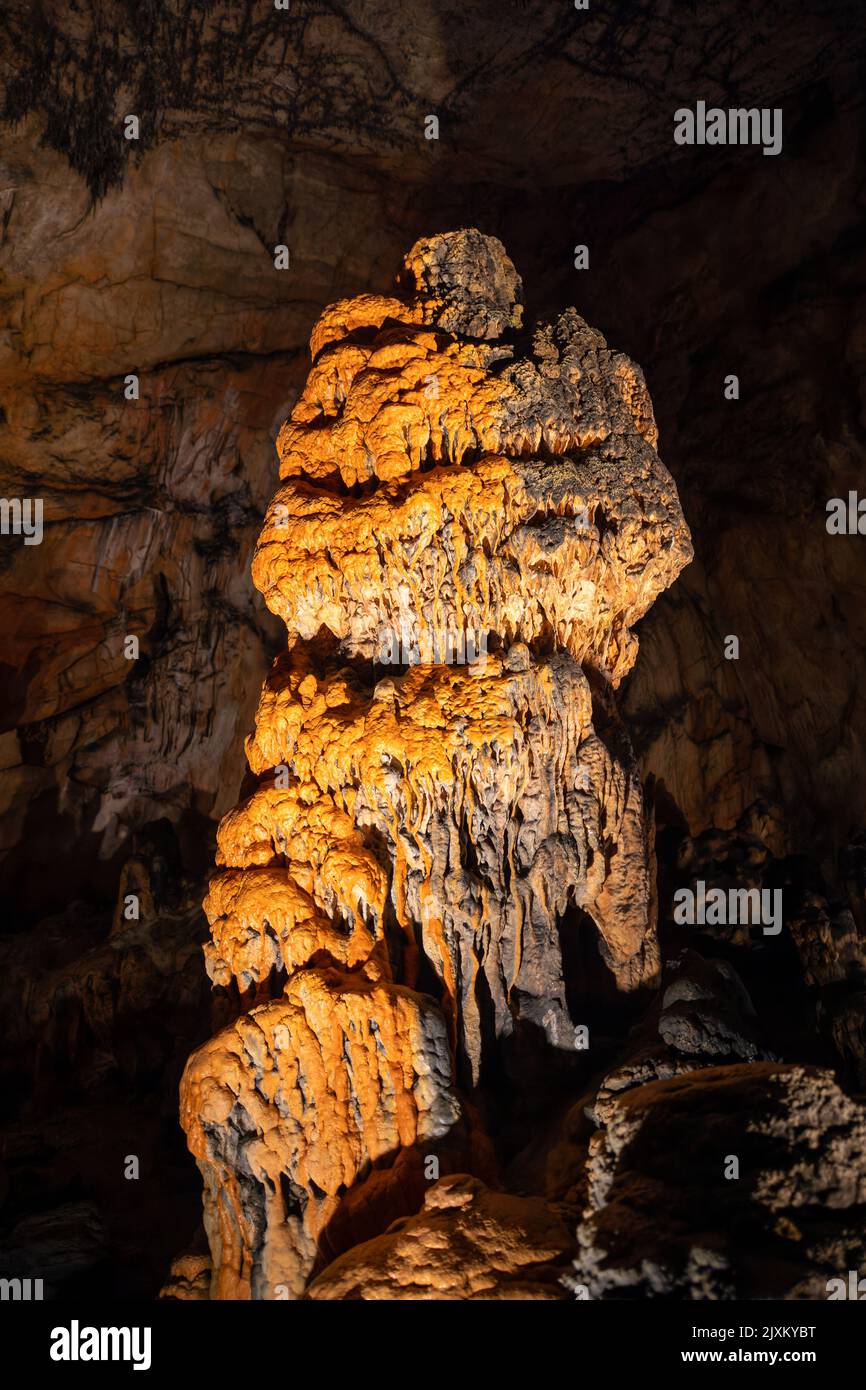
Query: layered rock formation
462	830
155	257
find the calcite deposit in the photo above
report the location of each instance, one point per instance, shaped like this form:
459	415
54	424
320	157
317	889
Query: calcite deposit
429	847
560	527
290	1106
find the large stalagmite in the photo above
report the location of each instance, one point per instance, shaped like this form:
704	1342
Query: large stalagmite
466	528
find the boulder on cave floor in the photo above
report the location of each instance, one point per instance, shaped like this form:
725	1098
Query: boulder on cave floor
746	1181
467	1242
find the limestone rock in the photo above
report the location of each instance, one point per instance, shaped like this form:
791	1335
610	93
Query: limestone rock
189	1279
562	526
664	1220
466	1243
822	941
156	257
448	771
703	1015
67	1241
460	831
294	1103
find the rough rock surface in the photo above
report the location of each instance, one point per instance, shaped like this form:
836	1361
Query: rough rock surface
190	1278
448	827
823	938
563	530
294	1103
702	1014
499	808
666	1217
466	1243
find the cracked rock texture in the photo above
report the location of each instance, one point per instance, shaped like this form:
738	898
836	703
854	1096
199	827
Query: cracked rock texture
456	828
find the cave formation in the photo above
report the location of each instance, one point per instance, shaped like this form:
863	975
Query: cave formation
430	829
576	1131
441	887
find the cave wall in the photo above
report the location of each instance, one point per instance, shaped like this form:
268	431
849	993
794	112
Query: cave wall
155	257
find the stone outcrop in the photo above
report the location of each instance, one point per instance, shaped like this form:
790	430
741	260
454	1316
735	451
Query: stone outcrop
702	1014
466	1243
561	530
429	844
669	1216
824	939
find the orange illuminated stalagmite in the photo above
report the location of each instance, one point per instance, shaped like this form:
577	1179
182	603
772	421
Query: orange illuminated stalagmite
428	835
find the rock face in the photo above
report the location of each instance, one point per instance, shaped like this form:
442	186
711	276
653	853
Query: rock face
156	257
559	530
668	1215
458	829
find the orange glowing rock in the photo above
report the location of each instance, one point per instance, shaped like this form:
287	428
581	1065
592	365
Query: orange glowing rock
442	830
289	1106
